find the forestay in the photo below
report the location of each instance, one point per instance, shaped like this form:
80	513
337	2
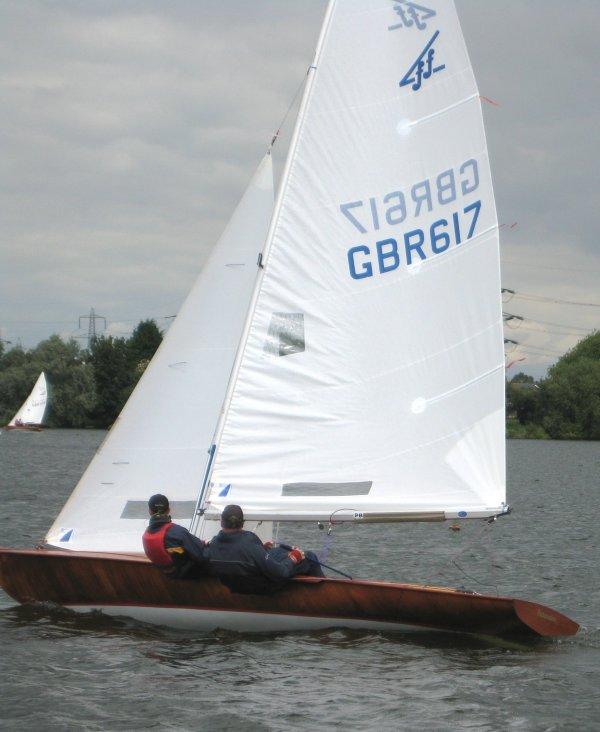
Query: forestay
160	441
34	407
370	385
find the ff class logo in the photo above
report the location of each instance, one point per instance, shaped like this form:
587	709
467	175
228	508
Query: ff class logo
411	15
423	67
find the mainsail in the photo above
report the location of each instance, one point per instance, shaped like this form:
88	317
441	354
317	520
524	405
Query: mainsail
33	408
160	441
370	382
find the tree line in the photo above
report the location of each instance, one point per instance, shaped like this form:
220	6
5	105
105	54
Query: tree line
87	387
565	405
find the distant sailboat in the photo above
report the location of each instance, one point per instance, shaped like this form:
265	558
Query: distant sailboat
30	416
357	375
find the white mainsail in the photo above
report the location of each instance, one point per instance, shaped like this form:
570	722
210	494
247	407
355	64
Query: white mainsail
34	407
370	384
159	442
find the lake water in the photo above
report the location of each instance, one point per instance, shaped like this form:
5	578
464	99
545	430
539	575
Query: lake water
61	671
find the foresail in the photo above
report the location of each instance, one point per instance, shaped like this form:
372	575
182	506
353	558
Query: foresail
159	442
371	382
34	407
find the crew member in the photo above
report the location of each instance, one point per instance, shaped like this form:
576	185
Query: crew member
244	565
171	547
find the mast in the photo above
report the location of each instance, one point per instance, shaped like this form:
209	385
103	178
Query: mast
264	260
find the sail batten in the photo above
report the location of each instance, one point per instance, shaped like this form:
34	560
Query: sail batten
374	349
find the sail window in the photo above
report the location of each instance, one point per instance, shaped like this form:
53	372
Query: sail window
139	509
359	488
286	334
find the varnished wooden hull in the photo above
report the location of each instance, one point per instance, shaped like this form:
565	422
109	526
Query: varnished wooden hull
24	427
130	585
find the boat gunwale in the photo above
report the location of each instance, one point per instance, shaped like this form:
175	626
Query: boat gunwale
142	559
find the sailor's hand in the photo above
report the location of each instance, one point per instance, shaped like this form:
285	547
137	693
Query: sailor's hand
268	545
296	555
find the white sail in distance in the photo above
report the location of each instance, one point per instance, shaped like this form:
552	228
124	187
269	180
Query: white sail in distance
370	385
160	441
34	407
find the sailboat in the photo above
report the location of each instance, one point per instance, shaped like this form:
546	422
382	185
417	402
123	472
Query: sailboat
30	416
340	358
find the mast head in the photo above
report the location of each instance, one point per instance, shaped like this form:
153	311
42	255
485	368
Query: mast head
158	504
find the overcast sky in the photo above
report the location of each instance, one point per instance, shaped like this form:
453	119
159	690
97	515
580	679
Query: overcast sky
129	130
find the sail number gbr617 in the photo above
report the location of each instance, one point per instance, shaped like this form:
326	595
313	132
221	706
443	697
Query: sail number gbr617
415	244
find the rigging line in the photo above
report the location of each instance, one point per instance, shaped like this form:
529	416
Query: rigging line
289	109
469	543
474	579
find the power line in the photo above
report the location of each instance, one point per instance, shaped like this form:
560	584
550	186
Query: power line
509	317
558	325
550	332
549	266
38	322
528	347
542	298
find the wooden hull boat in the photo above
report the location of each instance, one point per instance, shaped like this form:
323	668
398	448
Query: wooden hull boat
24	427
128	585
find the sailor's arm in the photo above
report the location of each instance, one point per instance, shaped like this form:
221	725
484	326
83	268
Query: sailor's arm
194	547
280	568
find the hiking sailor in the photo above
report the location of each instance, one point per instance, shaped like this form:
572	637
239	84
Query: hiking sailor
169	546
245	565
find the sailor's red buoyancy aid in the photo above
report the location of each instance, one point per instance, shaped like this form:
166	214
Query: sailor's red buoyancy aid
154	546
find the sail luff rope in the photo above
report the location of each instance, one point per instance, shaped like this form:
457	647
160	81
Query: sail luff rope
289	109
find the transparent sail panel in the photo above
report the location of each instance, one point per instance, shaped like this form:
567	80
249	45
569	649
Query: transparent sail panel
375	351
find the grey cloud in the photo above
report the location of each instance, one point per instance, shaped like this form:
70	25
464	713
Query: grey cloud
130	130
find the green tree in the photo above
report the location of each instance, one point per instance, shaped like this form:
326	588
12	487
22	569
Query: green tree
15	384
85	389
570	394
144	341
110	360
523	398
16	356
522	378
70	381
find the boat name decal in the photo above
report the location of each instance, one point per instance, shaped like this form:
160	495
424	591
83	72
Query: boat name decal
425	195
417	244
389	211
423	67
411	15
